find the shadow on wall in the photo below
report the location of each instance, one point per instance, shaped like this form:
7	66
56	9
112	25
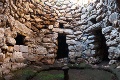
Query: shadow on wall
62	46
118	4
102	50
20	39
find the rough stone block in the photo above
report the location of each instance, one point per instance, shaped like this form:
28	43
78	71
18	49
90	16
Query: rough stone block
23	48
10	41
18	57
10	49
2	57
71	42
68	31
16	48
1	41
40	50
2	31
47	40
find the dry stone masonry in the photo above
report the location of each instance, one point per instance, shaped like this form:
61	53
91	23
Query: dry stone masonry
29	31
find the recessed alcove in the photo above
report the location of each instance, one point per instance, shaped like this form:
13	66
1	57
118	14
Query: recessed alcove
93	20
102	50
62	51
61	25
20	39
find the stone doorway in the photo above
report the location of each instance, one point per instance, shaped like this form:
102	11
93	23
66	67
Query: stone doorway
102	50
20	39
62	51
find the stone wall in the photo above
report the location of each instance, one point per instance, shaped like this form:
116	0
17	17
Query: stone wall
38	24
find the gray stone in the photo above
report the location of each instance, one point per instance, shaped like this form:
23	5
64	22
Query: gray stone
71	48
112	62
93	46
113	17
90	41
92	17
92	52
111	43
1	41
94	27
71	54
68	31
71	36
83	16
84	10
107	29
77	33
99	5
99	18
91	37
23	49
113	34
57	30
71	42
89	8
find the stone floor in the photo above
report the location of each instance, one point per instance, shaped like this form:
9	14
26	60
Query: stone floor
82	71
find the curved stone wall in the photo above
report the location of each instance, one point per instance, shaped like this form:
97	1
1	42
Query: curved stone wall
38	24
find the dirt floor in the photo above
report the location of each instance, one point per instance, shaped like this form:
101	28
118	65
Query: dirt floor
79	72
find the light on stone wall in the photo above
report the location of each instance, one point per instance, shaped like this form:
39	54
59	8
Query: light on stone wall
82	2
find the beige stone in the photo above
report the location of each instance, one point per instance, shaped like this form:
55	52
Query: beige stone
10	49
10	41
2	57
2	31
18	57
41	50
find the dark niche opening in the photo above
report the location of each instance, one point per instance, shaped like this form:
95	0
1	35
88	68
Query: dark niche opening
61	25
102	50
93	20
20	39
118	3
62	51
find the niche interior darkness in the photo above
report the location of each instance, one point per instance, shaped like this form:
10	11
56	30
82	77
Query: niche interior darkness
102	50
62	51
19	39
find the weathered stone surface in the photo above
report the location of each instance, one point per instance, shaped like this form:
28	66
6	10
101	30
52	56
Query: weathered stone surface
49	45
107	29
47	40
2	57
23	49
2	31
18	57
16	48
68	31
112	62
71	42
40	50
57	30
113	17
10	41
10	49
